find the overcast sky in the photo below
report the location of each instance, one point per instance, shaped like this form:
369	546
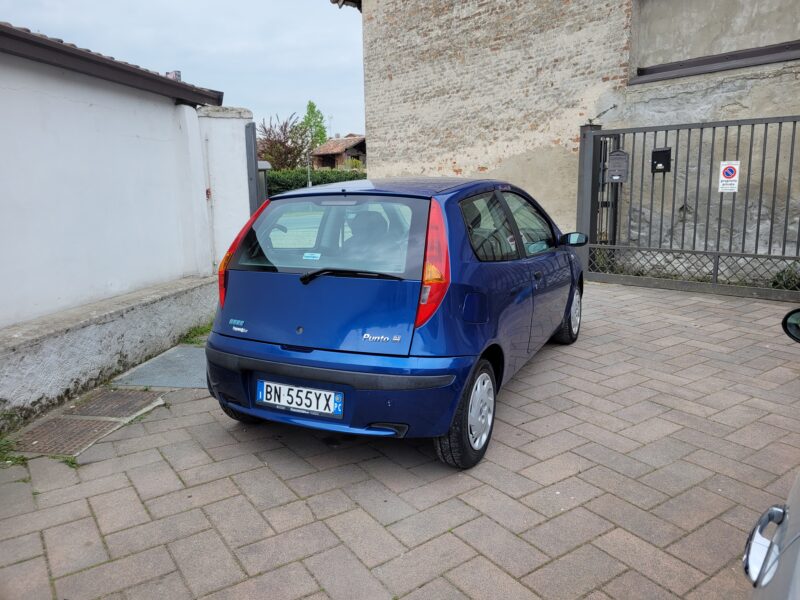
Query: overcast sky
271	56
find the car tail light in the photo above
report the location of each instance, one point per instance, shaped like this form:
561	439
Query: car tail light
222	273
436	267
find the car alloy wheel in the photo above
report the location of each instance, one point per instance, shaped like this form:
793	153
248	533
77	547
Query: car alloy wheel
575	312
464	445
481	411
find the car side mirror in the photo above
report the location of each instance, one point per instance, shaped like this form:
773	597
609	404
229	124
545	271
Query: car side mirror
791	324
760	560
574	239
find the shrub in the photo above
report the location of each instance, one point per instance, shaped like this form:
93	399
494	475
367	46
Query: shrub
292	179
353	163
285	144
787	279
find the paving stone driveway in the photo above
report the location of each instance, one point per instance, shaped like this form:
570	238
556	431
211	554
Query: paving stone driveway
629	465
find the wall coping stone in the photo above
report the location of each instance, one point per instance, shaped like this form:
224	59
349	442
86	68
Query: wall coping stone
29	333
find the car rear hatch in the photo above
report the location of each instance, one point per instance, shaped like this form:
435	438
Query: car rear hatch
333	272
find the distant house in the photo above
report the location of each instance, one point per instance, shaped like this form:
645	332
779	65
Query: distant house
333	153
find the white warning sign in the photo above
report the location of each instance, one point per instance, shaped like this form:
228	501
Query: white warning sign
728	176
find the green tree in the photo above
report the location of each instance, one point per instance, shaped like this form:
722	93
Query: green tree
314	121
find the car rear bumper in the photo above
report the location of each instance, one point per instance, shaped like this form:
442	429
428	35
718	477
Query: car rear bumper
384	396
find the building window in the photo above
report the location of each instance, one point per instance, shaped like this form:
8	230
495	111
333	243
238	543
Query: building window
678	38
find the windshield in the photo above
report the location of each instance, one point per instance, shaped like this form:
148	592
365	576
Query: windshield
383	234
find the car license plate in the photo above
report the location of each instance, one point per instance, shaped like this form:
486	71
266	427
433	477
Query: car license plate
300	399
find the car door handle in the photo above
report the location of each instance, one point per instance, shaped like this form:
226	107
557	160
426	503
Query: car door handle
516	290
537	275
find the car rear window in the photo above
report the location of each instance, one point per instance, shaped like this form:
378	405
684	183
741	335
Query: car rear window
385	234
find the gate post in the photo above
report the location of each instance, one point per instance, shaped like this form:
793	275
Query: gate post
586	214
252	165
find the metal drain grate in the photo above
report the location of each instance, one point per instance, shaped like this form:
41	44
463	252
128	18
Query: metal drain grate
117	404
86	421
62	435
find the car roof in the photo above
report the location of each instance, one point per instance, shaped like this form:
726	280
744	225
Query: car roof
411	186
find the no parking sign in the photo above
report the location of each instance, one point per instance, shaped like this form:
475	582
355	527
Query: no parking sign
729	176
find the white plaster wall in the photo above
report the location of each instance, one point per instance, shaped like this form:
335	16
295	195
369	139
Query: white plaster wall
101	190
222	131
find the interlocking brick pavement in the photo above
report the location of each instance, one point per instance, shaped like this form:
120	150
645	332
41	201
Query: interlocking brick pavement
629	465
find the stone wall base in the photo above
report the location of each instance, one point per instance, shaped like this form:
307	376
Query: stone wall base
48	360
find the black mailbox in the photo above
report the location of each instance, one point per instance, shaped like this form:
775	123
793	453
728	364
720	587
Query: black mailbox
661	160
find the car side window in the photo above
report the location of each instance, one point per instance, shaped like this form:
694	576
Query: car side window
490	233
537	235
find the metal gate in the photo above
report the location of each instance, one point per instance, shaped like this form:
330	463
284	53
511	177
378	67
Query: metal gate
703	206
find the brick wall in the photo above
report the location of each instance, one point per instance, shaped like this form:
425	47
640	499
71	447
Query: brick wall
500	88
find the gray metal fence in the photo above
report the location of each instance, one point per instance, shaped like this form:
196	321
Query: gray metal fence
698	206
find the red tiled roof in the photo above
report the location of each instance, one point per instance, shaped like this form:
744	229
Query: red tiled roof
338	145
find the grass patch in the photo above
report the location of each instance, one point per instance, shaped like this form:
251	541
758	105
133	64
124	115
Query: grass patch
10	420
7	456
70	461
196	336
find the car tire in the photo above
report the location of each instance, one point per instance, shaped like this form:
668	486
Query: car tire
239	416
471	430
570	326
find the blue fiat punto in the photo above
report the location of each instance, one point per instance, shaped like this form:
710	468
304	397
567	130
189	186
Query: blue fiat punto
391	308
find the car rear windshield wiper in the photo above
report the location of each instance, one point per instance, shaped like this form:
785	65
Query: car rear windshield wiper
307	278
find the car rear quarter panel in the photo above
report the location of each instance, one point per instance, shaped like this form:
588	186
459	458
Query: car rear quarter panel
458	328
467	322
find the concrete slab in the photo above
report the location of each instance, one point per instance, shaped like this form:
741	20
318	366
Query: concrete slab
178	367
